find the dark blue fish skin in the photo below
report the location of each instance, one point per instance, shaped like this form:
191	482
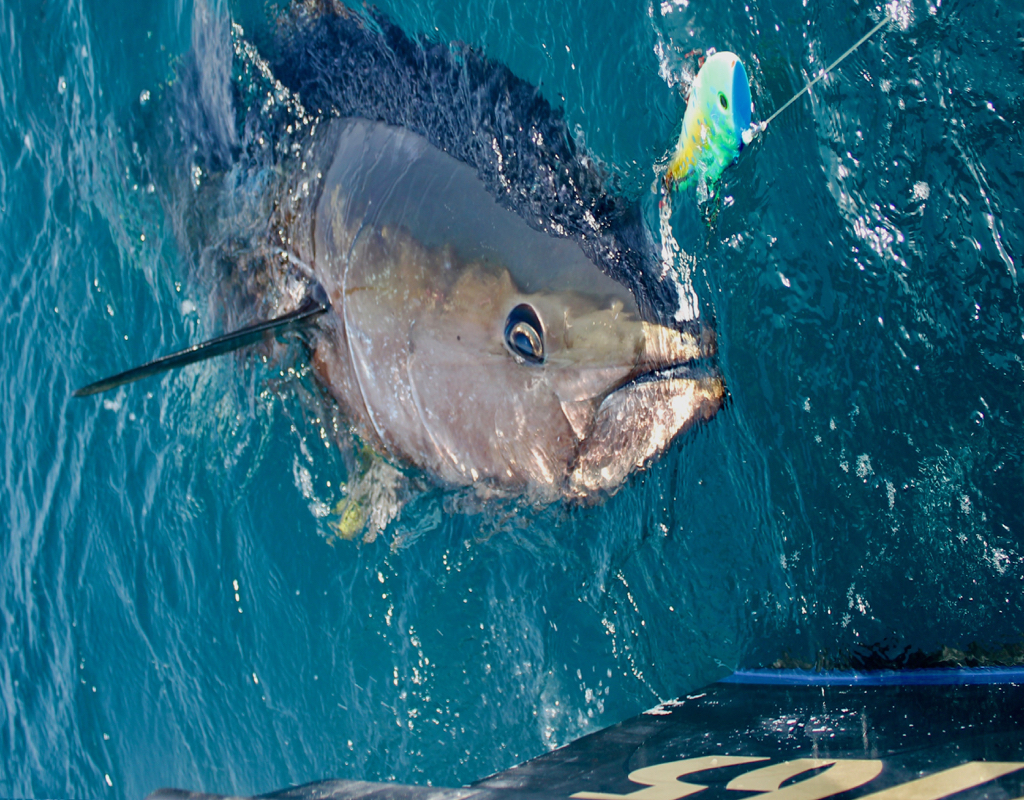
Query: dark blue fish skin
359	64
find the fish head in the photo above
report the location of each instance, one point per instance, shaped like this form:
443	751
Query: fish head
482	350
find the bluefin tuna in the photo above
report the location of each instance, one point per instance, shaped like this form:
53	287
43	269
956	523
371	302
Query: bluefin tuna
475	296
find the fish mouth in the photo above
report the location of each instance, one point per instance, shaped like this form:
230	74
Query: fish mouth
677	385
695	370
686	353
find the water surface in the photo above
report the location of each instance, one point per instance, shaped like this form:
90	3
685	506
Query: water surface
171	612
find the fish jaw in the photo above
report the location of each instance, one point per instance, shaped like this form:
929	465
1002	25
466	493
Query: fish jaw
674	387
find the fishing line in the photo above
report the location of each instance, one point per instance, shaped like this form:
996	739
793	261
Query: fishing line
757	128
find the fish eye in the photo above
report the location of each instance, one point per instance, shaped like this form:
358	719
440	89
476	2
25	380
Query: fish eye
723	101
524	334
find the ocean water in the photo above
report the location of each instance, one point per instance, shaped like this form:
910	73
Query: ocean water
173	610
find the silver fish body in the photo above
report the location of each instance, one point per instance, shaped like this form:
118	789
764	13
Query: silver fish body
427	275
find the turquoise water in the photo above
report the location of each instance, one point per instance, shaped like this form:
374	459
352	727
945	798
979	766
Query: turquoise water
171	611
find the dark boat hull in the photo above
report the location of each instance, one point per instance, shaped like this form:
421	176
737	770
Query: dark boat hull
781	735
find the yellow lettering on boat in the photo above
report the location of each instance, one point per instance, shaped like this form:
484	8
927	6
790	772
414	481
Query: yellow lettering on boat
663	782
949	781
842	775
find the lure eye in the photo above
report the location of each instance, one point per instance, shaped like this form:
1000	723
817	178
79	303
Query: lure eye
524	335
723	101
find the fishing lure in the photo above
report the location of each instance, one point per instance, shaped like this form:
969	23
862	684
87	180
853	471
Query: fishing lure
717	115
717	125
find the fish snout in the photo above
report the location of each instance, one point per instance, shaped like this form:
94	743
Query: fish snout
666	348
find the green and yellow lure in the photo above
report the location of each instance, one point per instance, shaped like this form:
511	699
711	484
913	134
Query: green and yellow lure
717	115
